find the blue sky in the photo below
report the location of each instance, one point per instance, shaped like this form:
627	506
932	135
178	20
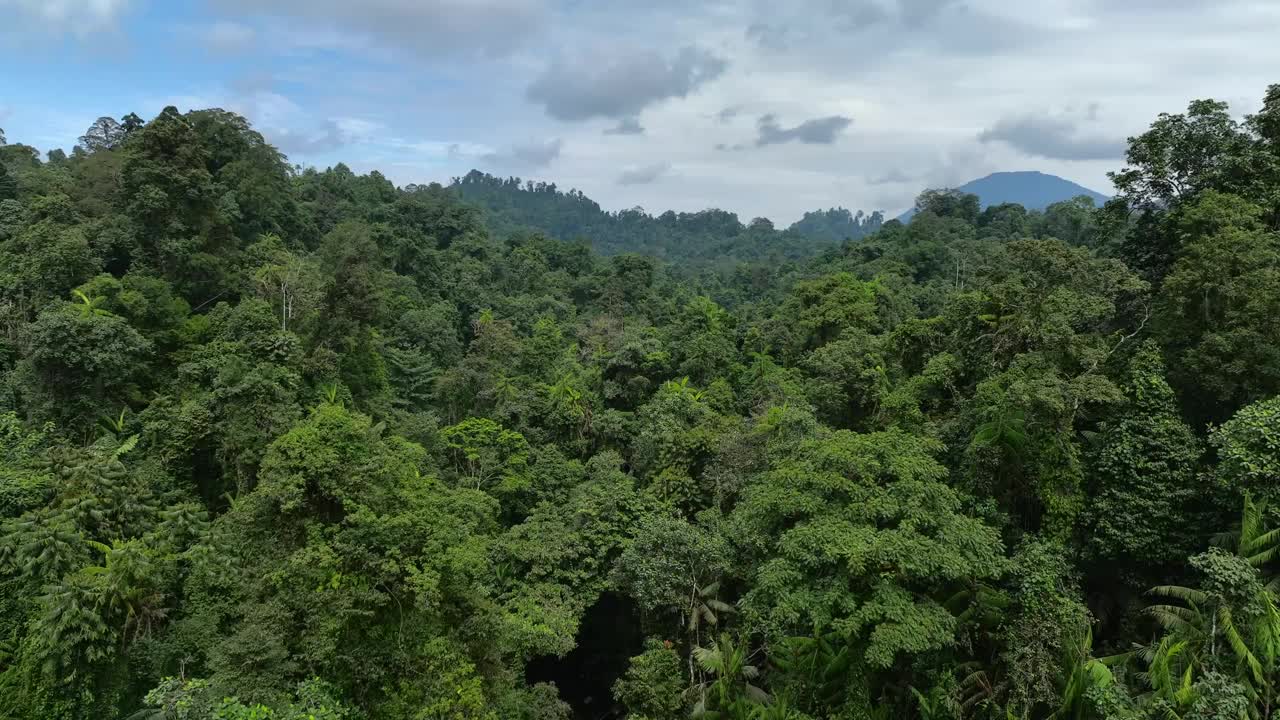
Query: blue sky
760	107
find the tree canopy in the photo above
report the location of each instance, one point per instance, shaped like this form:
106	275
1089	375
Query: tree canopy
299	443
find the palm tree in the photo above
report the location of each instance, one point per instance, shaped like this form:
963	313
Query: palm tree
731	695
683	387
72	631
980	688
1251	540
89	306
1083	673
1206	627
1170	671
330	393
702	607
1240	622
779	709
1004	428
113	425
979	610
565	396
125	588
936	705
43	545
819	663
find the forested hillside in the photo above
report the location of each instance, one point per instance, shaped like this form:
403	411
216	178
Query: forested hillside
711	238
305	445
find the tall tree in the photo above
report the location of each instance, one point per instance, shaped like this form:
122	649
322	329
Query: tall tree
1143	476
104	134
858	534
8	183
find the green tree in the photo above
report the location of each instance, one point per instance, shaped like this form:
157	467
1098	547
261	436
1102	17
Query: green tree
1143	475
858	533
1249	461
1045	638
654	685
949	203
488	457
104	134
167	182
83	362
8	184
674	565
1219	304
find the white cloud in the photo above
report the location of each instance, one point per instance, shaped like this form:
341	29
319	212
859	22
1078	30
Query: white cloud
644	174
815	131
442	150
1055	136
922	90
229	37
427	89
428	28
75	17
610	83
525	156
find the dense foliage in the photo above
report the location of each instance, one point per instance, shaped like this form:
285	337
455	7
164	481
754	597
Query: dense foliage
710	237
281	443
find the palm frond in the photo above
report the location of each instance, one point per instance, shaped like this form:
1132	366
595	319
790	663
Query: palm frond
1179	592
757	694
1174	617
1238	645
720	606
709	658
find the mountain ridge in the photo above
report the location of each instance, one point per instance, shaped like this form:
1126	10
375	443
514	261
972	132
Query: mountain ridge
513	205
1032	189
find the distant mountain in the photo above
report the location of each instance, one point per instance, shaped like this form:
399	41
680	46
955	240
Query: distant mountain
716	237
1030	189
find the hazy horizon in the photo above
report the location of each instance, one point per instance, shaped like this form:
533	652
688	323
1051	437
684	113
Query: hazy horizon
756	108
